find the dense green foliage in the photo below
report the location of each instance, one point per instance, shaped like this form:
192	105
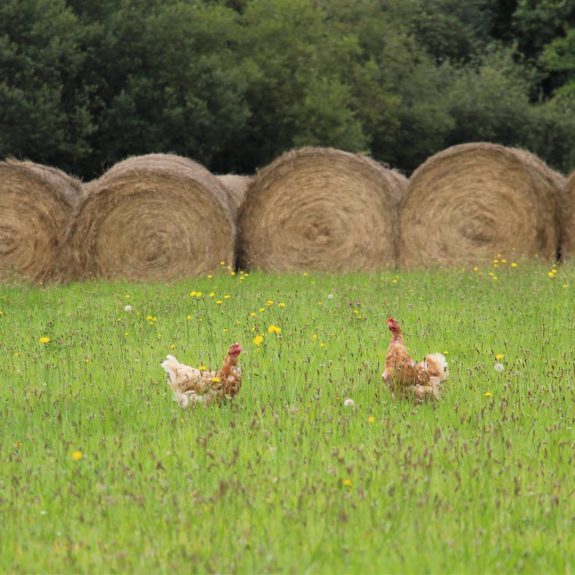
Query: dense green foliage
101	472
233	83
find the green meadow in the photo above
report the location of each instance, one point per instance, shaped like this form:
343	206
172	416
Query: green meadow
102	472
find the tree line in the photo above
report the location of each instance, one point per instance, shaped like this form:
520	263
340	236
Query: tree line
233	83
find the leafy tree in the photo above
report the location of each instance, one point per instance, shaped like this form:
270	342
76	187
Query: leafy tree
164	80
44	111
296	92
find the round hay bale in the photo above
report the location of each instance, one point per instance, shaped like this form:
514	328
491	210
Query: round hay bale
237	187
152	217
568	229
470	202
320	209
36	206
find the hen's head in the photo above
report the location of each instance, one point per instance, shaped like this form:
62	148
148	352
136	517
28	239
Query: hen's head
235	350
392	325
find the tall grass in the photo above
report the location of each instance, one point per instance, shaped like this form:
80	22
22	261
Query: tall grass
100	471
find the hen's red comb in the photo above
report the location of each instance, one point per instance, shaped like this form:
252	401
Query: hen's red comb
235	349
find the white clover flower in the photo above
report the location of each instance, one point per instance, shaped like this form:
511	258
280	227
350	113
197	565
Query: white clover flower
499	367
349	402
329	296
128	308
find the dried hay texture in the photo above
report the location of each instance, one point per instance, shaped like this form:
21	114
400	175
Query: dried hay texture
470	202
237	187
153	217
36	206
320	209
568	239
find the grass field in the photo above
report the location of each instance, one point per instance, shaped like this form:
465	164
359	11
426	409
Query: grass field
101	472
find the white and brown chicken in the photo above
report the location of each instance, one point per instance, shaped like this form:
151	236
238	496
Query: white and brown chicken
421	381
192	386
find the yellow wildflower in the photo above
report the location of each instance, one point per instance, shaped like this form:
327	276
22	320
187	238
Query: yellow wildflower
203	367
76	455
227	296
270	302
371	419
513	264
219	302
216	380
44	339
274	329
499	356
488	394
258	340
346	482
212	294
281	305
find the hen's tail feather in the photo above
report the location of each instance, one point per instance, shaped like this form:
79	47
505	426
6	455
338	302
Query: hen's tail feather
170	365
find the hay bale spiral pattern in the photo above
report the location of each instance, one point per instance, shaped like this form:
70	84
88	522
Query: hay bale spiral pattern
153	217
36	206
468	203
320	209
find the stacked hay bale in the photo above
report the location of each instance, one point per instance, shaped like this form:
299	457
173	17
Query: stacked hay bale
237	187
568	235
470	202
320	209
153	217
36	206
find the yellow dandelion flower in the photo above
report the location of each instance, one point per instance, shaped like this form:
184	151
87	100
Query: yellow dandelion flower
232	273
551	275
274	329
258	340
253	314
321	344
125	334
216	380
189	318
44	339
203	367
314	336
270	302
371	419
219	302
488	394
346	482
227	296
212	294
514	264
504	261
262	309
76	455
499	356
193	293
281	305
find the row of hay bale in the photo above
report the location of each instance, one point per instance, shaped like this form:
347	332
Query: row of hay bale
161	217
